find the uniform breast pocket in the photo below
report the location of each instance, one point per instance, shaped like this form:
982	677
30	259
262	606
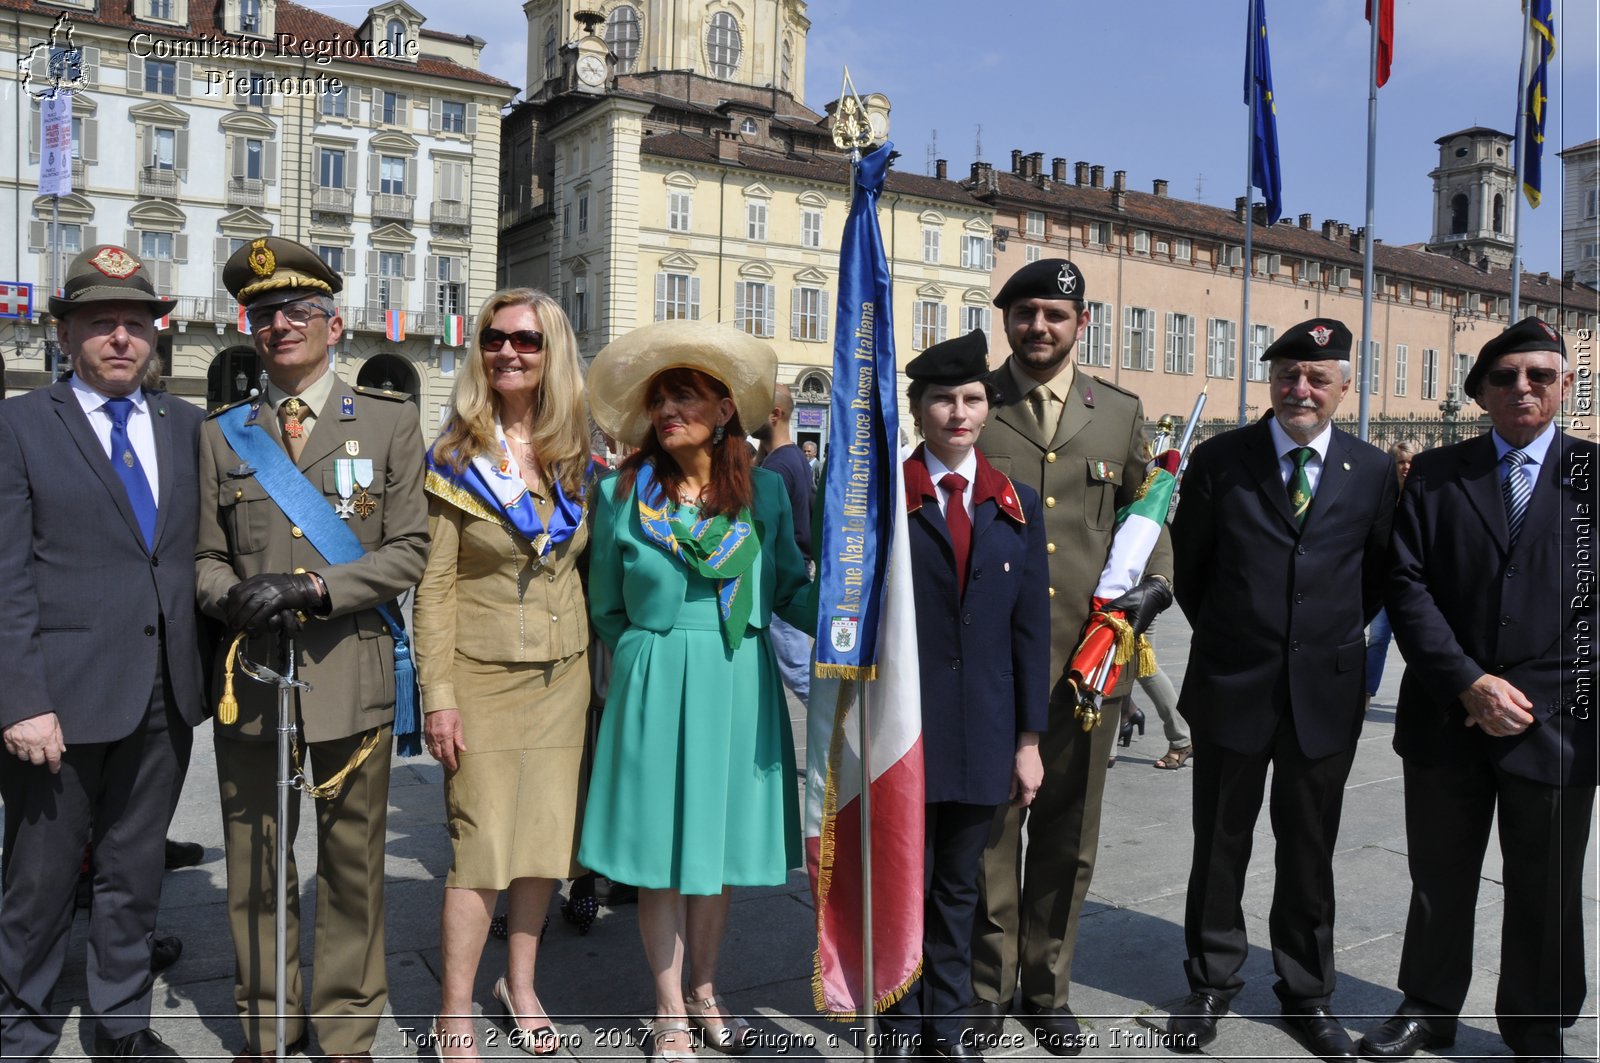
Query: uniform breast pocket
1100	498
247	513
1002	462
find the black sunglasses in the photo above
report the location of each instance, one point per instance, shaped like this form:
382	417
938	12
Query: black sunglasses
523	341
1540	376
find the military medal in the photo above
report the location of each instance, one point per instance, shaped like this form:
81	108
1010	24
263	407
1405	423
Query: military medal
361	469
344	478
291	424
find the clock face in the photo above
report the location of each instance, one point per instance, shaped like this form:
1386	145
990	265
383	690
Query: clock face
879	124
591	70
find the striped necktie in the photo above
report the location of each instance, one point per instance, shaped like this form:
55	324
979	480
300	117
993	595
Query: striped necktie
1516	491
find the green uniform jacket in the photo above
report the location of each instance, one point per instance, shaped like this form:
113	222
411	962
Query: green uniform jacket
1092	468
347	657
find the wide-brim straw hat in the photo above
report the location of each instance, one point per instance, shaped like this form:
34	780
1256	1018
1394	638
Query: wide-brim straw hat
620	374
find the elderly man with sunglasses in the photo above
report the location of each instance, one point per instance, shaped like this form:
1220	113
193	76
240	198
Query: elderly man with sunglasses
272	565
1492	600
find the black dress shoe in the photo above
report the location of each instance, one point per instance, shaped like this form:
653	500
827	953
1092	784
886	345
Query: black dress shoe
1193	1024
1403	1036
141	1044
1321	1032
164	951
898	1046
986	1018
959	1049
184	854
1056	1029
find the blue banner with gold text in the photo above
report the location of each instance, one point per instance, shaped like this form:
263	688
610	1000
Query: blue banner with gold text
860	507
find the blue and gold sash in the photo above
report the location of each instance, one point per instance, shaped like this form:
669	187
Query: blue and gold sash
491	488
715	547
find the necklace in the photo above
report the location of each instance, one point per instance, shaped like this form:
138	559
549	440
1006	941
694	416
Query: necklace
514	439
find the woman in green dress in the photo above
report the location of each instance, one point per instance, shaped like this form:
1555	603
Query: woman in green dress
692	552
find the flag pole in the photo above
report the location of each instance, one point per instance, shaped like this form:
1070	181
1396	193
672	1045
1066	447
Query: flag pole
1513	312
1364	378
1249	213
869	983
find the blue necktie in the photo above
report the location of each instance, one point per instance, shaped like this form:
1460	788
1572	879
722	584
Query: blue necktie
129	471
1515	491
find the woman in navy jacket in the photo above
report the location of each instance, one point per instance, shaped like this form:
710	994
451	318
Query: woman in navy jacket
983	636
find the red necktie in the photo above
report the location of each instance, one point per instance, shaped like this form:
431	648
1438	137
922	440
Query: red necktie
960	525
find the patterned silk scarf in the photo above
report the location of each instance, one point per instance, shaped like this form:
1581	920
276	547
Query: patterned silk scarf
491	487
718	548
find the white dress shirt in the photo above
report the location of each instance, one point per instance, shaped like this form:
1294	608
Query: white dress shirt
1536	451
140	432
1286	446
937	469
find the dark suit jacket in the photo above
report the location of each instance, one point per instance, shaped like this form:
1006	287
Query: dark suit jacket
1463	604
984	656
83	602
1277	610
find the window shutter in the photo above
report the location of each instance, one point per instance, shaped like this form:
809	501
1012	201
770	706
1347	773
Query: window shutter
269	161
741	308
410	267
430	268
411	177
141	154
944	317
374	293
661	296
89	150
349	168
794	313
33	132
372	174
822	313
185	76
132	241
435	114
402	111
91	67
182	152
223	300
89	238
135	75
770	324
39	236
694	298
472	118
180	247
236	151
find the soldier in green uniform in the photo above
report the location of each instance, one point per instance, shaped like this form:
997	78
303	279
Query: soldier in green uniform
362	450
1080	442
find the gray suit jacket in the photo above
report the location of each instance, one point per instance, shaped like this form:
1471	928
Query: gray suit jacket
85	606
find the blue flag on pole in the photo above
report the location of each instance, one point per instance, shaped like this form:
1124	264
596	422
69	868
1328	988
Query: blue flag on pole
1542	22
1264	171
863	443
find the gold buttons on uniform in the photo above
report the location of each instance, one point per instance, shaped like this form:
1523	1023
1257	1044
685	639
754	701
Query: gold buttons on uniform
1050	457
1052	592
1050	503
238	495
1049	548
297	533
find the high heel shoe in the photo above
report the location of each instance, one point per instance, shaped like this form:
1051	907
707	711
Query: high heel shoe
1125	736
534	1040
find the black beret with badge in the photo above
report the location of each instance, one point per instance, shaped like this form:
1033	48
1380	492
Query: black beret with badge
271	266
1318	340
107	273
1529	334
1048	278
953	362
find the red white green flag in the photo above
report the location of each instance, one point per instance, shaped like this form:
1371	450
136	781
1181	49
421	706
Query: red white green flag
455	330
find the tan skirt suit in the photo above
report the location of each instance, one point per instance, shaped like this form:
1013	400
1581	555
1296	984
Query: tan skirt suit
501	637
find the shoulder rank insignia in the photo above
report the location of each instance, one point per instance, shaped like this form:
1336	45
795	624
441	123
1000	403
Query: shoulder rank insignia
347	408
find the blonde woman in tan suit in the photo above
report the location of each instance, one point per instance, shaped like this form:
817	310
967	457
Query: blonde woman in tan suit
501	632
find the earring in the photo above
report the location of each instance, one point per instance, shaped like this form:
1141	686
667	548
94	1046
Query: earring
718	434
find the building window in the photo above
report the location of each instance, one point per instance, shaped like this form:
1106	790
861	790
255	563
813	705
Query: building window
336	101
748	127
977	252
391	108
163	148
583	213
1402	368
930	244
755	220
332	256
1096	346
395	33
1261	337
566	222
452	117
391	175
1436	297
678	211
161	9
1182	249
330	168
249	16
551	66
161	75
753	309
1141	241
785	67
974	319
1099	233
391	281
723	45
449	291
1458	214
253	152
1138	338
1222	347
927	323
1180	343
677	297
1430	373
580	304
155	246
809	317
1374	367
810	228
1591	203
1031	252
1035	224
622	37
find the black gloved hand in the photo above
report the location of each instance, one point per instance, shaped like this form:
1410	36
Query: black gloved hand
269	601
1141	602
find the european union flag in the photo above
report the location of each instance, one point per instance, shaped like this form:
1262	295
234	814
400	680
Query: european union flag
1542	23
1265	173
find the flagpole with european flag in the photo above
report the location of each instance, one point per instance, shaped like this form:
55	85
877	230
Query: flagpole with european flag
1533	98
1263	169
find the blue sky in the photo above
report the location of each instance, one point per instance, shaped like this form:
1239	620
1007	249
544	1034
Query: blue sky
1154	87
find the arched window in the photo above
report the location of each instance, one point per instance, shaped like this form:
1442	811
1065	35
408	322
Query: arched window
1499	213
622	37
787	67
723	46
396	33
1458	214
550	67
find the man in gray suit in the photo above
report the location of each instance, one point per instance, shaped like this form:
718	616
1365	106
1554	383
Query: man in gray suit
100	679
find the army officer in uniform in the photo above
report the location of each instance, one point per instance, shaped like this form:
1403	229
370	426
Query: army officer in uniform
258	571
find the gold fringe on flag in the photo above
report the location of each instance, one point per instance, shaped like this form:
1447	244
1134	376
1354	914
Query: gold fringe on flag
846	671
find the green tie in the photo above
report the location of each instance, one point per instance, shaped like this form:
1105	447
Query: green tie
1300	483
